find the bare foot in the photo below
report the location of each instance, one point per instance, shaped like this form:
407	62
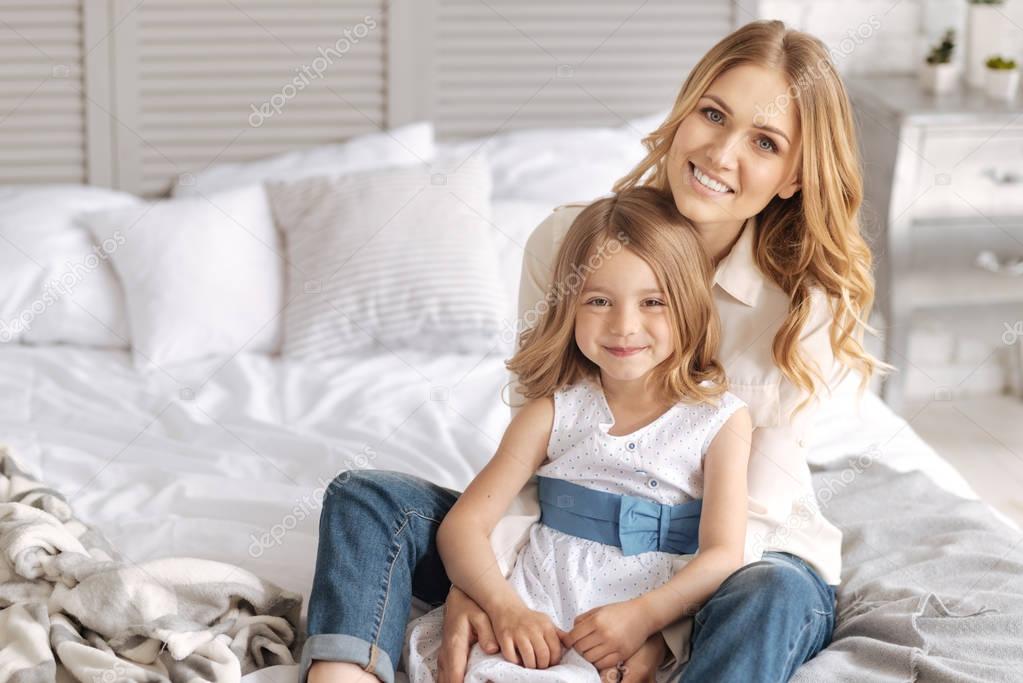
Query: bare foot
339	672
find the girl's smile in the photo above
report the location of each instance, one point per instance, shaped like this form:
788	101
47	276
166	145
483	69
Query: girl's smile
625	351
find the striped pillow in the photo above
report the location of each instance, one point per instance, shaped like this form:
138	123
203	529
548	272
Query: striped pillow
389	259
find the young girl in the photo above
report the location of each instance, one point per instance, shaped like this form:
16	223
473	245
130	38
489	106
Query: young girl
640	453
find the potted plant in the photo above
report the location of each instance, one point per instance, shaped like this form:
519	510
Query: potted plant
939	73
987	33
1002	78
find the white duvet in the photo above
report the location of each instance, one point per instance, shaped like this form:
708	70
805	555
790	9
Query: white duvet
226	459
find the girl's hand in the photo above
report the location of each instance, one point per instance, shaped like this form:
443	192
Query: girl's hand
465	623
529	633
610	634
640	667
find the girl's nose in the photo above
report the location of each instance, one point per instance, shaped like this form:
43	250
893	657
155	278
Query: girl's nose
624	322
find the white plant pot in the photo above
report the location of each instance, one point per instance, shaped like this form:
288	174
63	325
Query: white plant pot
986	25
1002	84
939	78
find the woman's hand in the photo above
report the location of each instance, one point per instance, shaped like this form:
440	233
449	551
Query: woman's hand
610	634
640	667
528	637
465	623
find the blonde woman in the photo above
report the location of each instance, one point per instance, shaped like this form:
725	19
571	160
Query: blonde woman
759	154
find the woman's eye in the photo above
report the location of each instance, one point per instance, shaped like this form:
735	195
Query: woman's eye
771	146
655	302
597	301
709	111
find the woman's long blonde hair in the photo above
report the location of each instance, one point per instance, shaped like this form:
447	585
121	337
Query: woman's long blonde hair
643	220
813	238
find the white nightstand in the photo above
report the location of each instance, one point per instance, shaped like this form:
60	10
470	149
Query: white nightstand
943	181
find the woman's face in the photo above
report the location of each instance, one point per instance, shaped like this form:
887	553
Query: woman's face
744	134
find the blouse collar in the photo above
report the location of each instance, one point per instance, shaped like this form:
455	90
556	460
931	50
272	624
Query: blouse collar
737	273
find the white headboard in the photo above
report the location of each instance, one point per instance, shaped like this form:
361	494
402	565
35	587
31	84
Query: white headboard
130	94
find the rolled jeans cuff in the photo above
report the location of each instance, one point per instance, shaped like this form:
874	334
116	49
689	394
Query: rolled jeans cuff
334	647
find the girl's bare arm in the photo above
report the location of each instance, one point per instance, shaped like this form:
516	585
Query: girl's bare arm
722	528
463	538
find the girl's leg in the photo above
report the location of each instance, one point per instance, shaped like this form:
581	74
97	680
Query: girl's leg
781	600
377	548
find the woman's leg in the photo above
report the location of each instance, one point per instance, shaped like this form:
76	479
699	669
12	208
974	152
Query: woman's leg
763	622
377	548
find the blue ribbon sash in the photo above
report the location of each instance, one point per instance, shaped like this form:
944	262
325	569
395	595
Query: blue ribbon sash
636	525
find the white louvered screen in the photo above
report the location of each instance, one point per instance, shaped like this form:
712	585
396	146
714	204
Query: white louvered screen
503	64
238	80
42	117
134	94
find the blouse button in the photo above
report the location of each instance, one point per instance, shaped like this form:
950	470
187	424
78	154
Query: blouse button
652	483
631	445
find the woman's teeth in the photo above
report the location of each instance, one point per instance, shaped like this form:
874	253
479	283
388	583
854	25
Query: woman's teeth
708	182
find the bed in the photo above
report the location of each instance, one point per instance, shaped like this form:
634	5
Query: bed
207	474
225	457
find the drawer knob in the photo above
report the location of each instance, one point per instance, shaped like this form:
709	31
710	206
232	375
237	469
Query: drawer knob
990	262
1002	177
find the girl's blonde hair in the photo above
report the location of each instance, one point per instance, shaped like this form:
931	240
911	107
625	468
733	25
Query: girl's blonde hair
645	221
813	238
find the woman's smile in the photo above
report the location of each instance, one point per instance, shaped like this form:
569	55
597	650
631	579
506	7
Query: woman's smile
704	184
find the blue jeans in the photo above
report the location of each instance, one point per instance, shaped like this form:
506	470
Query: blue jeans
378	549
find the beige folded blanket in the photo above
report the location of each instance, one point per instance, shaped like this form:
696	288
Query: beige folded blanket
67	597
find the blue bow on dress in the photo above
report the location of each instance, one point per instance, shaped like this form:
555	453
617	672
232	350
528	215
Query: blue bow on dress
636	525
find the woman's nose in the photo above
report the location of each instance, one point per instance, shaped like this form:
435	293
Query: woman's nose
722	153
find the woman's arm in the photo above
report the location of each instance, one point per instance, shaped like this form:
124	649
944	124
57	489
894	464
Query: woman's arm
540	252
778	460
541	248
722	528
463	538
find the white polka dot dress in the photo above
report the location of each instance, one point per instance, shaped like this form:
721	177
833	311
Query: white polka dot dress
563	575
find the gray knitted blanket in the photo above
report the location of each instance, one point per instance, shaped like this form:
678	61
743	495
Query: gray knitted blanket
932	584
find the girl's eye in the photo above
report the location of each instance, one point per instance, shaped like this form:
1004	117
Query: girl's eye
596	301
655	302
710	112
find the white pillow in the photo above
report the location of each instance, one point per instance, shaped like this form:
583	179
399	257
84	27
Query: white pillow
201	276
514	220
400	258
558	165
54	287
411	144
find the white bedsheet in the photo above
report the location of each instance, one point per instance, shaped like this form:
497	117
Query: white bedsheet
204	459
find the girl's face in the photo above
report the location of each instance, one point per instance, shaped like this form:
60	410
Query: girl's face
622	323
744	135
